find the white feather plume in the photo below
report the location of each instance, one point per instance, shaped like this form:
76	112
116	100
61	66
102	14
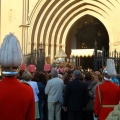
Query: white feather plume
111	67
10	53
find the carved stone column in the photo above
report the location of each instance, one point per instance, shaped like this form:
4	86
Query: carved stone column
46	49
52	51
25	26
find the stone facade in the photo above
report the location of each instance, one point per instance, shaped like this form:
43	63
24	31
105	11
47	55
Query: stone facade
49	21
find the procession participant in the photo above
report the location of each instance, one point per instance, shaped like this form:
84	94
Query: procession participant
16	99
107	93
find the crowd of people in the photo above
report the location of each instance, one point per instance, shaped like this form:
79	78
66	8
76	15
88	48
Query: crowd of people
71	94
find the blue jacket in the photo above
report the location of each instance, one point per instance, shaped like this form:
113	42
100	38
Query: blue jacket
115	80
41	88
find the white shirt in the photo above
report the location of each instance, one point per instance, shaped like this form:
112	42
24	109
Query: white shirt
34	86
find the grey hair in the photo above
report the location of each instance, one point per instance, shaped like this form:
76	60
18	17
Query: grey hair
77	74
27	76
54	73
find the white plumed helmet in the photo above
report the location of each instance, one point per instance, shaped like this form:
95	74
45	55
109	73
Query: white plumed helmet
110	68
11	55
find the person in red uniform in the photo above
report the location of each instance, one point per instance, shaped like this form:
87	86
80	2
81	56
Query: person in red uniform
107	94
16	99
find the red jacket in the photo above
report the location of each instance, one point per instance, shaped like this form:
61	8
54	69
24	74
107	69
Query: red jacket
109	96
16	100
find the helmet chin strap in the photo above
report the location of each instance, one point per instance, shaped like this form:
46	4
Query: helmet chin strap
108	79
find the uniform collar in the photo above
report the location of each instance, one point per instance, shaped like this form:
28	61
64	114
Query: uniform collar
107	79
10	79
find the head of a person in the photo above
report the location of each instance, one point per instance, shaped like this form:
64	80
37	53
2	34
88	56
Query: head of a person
54	73
20	74
49	76
27	76
105	73
40	77
96	78
76	74
35	76
69	73
97	73
66	79
88	76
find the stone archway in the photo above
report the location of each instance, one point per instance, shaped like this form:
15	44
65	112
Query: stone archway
83	35
85	32
51	21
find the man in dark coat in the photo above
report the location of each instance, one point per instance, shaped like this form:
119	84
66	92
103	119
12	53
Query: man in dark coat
75	98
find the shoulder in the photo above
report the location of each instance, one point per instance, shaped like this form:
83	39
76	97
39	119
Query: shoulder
40	85
25	83
26	86
85	85
32	82
75	82
60	79
114	78
106	85
50	80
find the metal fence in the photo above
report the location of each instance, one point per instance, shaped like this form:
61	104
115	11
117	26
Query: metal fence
37	58
100	58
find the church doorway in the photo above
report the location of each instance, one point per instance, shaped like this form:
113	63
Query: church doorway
83	35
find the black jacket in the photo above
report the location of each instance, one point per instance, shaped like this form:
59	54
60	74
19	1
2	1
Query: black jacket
76	95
